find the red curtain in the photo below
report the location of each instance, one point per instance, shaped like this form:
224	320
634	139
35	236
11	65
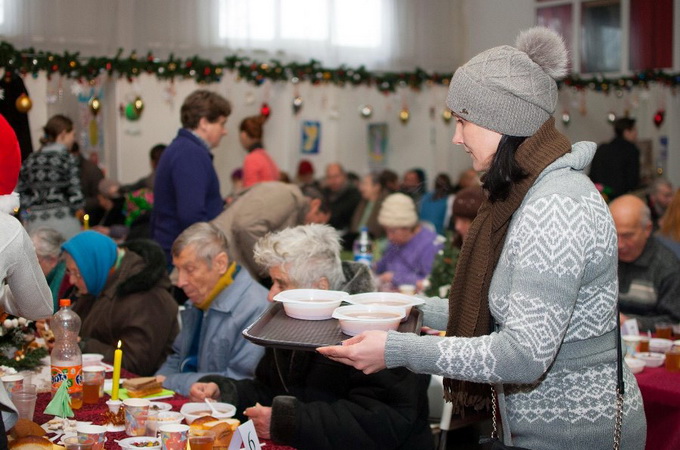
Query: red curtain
651	34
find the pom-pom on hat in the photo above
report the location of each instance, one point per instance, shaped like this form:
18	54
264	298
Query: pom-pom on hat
467	202
10	163
398	210
511	90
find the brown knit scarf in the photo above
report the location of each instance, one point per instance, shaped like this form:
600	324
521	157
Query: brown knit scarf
468	302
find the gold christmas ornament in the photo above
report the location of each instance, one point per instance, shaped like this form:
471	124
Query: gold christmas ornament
404	115
23	103
139	105
95	105
446	115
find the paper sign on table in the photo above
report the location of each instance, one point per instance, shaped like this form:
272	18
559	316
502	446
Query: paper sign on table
630	327
245	434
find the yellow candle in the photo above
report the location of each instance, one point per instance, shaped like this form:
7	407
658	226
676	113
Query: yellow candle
117	361
86	222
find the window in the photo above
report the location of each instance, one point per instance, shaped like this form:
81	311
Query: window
612	35
289	25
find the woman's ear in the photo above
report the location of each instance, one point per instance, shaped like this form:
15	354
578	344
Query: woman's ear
322	284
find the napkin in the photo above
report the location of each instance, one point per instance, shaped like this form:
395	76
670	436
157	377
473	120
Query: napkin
60	404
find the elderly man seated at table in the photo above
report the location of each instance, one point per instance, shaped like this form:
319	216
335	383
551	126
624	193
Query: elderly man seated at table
123	294
301	399
649	273
223	300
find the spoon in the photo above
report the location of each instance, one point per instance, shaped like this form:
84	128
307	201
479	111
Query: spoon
209	402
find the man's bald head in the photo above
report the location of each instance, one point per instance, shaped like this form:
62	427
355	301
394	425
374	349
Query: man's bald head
633	226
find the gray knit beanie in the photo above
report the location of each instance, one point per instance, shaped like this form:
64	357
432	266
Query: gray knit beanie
398	210
511	90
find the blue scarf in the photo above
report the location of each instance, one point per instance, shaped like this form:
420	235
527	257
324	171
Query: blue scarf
95	255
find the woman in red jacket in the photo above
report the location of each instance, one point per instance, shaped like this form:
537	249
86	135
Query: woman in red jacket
258	166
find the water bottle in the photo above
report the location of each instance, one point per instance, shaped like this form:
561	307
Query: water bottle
66	358
363	248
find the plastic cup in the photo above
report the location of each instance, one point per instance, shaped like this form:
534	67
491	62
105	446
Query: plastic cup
93	384
174	437
407	289
201	439
136	412
664	330
24	400
95	432
12	382
632	343
644	344
78	443
673	360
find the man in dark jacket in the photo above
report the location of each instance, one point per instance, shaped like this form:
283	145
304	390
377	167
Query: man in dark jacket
617	164
300	398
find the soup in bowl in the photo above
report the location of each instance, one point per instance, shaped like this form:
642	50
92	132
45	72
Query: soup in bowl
355	319
387	299
310	304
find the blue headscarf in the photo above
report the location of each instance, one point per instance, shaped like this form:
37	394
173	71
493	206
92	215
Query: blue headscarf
94	254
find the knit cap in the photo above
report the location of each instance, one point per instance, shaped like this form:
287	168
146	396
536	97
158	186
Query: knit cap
10	163
398	210
511	90
305	167
467	202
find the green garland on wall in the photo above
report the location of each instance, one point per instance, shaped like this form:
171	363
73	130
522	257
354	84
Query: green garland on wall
72	65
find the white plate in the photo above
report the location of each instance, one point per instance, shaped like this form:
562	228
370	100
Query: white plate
161	406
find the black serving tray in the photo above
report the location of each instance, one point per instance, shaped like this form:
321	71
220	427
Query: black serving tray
275	329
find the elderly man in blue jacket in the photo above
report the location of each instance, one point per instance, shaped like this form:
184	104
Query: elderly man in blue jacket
223	300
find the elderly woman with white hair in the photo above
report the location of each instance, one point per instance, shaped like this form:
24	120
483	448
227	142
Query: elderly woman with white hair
301	399
47	242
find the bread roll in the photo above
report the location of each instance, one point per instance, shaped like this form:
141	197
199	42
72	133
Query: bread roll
199	423
223	435
30	443
25	427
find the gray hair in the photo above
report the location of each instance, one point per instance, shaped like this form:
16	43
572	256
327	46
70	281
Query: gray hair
307	253
657	183
47	242
645	215
208	241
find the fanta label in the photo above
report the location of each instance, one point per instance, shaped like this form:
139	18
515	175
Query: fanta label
70	375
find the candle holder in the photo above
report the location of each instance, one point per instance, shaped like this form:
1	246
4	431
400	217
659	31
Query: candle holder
115	416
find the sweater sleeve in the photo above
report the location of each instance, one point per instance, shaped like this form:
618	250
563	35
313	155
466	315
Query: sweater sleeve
546	261
28	295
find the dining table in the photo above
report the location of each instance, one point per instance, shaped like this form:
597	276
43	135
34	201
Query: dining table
96	414
660	390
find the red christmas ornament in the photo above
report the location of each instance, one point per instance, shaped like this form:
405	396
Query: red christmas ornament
265	110
658	117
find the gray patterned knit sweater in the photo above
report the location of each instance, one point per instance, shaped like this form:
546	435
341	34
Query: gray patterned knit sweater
553	295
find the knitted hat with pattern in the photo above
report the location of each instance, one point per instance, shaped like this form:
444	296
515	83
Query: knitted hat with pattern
10	163
511	90
398	210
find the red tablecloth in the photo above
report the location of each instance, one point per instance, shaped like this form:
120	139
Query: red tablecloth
661	396
94	413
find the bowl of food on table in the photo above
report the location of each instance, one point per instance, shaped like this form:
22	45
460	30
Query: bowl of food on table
651	359
310	304
635	365
387	299
137	442
659	345
355	319
194	410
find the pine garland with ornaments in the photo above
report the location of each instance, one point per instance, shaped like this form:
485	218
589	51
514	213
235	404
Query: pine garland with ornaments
73	65
19	348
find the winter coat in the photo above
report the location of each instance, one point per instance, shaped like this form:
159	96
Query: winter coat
135	307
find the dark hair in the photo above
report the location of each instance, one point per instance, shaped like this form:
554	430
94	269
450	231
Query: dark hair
388	177
253	126
420	173
504	170
623	124
54	127
313	193
442	186
202	103
156	152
